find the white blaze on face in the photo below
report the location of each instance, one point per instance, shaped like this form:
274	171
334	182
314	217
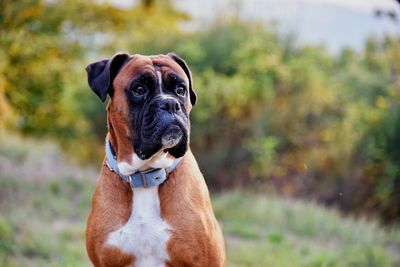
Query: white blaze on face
159	78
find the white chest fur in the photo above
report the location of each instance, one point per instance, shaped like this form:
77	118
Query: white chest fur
146	234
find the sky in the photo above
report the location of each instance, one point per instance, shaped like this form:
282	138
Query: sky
334	24
359	5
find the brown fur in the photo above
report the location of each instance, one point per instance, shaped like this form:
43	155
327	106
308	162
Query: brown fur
196	239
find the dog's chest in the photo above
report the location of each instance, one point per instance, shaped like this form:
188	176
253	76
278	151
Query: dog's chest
146	234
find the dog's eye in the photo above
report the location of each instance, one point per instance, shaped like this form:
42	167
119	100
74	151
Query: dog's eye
139	90
180	90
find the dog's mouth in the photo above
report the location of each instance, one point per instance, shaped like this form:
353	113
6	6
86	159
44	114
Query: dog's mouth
171	137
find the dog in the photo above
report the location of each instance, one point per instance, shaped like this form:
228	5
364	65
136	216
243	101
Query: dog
151	206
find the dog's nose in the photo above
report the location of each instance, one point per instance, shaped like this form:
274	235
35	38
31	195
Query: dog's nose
171	105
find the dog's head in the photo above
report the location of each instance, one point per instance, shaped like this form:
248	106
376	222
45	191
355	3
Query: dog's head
148	112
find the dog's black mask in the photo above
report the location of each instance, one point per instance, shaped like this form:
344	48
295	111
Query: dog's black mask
157	114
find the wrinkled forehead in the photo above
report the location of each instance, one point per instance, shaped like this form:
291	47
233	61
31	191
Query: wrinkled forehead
149	65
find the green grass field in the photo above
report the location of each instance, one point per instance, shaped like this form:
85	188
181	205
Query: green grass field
44	201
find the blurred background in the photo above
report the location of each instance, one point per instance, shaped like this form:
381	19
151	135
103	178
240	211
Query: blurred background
297	126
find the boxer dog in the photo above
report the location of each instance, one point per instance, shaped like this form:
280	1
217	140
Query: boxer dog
151	206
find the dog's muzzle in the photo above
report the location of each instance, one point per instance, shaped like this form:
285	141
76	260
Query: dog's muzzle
165	126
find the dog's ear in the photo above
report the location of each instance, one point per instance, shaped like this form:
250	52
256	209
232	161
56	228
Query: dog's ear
185	68
101	74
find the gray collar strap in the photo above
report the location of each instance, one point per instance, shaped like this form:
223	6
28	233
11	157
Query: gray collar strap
139	179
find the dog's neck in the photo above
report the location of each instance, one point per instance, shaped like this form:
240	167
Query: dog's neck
145	234
132	163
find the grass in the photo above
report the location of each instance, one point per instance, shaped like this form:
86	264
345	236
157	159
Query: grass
271	231
44	202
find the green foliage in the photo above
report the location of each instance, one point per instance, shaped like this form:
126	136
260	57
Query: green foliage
302	118
271	113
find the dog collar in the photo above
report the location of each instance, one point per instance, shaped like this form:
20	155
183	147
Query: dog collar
139	179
